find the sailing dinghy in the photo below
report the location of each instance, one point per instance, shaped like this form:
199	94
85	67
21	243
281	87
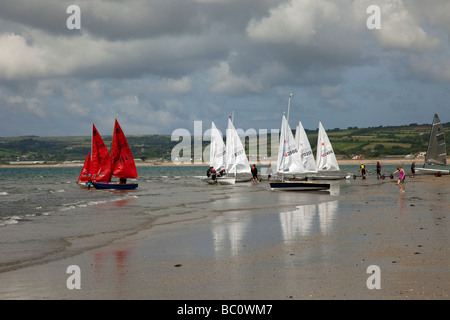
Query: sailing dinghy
121	164
327	166
217	157
97	165
436	151
85	180
236	159
289	161
305	150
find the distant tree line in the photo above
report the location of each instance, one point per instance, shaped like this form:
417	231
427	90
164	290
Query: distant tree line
367	142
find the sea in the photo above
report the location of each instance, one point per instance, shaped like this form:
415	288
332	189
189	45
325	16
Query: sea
45	215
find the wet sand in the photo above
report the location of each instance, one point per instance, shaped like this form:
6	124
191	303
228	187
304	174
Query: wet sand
317	250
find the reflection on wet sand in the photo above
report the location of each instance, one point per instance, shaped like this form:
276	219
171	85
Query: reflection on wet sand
237	231
228	235
107	264
307	220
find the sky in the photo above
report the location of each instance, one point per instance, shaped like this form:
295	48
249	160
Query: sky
160	65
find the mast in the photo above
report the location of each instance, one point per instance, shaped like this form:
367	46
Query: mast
285	129
92	134
289	106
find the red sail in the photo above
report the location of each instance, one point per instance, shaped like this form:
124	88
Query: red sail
87	169
122	160
101	161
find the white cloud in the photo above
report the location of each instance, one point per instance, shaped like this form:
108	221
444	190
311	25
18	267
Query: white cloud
77	110
18	60
224	81
297	22
400	29
180	86
18	104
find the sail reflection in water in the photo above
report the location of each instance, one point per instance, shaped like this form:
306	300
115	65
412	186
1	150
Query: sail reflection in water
307	220
238	232
229	235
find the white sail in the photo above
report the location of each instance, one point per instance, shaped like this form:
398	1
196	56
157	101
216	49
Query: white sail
289	160
236	159
304	148
326	159
217	149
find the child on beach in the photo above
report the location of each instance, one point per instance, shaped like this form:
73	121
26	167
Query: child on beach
269	171
401	178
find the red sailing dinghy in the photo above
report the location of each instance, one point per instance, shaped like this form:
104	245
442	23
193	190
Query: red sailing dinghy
120	164
101	161
85	178
97	165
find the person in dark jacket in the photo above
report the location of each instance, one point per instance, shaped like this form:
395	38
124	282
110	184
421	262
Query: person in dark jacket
378	170
254	173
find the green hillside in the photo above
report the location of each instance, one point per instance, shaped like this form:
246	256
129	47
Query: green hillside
367	142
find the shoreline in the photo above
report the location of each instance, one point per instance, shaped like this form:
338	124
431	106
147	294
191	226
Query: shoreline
418	161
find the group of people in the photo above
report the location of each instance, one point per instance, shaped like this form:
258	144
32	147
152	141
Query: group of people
211	172
400	170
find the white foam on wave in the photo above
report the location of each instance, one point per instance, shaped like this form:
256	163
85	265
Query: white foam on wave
10	220
67	208
4	193
93	203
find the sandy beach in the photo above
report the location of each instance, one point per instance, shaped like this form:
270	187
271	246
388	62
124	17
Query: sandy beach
255	249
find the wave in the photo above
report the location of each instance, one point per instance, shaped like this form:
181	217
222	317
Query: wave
5	221
10	220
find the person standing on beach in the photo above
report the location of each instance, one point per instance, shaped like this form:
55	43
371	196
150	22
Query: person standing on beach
209	171
212	173
269	171
254	173
378	170
413	169
363	170
89	182
401	178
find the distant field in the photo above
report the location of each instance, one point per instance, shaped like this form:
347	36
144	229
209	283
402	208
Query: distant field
366	142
